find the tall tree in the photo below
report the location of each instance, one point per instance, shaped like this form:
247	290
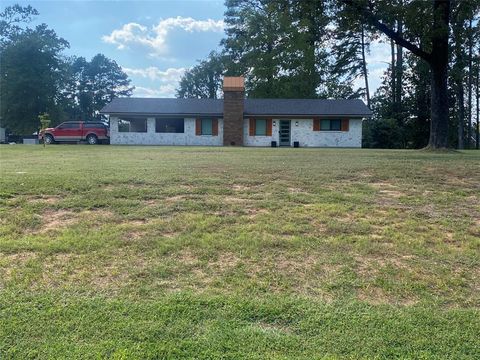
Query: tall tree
436	55
95	83
27	87
478	104
352	41
204	80
280	46
470	81
12	20
459	15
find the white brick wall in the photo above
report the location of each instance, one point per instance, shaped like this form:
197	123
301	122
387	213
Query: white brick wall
153	138
259	140
304	134
308	138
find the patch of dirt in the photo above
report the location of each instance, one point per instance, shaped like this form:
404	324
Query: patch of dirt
176	198
368	265
135	235
377	296
234	200
187	257
10	262
225	261
56	219
237	187
253	213
98	212
151	202
392	193
136	222
44	199
295	190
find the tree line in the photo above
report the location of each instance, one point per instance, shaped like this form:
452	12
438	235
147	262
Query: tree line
319	49
37	77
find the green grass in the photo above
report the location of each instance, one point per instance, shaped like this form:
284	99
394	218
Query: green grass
173	252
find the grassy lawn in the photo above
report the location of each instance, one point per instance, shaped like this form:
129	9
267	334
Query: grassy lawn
172	252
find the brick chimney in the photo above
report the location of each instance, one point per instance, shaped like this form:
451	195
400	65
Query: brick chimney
233	97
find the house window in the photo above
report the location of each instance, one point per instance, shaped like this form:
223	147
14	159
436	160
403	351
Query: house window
169	125
206	127
260	127
137	125
330	125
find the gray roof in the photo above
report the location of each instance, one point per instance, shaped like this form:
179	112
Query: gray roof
310	107
164	106
262	107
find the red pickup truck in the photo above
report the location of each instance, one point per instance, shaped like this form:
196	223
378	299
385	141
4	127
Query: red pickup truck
91	132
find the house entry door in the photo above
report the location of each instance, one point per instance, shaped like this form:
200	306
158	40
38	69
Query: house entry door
284	133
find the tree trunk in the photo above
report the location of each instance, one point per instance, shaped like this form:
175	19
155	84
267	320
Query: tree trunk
393	72
460	98
458	74
439	109
399	71
470	84
478	106
437	59
439	68
364	66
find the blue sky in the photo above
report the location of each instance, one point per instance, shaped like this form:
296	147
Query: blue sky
153	41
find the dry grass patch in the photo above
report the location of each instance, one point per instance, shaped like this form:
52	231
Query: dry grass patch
238	187
9	263
377	296
56	219
387	189
176	198
44	199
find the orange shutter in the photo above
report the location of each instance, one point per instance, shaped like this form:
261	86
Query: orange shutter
269	127
214	127
345	123
316	124
251	130
198	127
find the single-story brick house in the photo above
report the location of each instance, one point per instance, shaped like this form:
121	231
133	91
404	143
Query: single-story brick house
235	120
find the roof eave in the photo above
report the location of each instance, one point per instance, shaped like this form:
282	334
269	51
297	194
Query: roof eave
112	113
309	115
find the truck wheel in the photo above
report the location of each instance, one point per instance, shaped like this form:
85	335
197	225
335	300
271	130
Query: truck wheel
92	139
48	139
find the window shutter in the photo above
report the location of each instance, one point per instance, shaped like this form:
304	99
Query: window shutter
198	127
251	130
345	123
214	127
316	124
269	127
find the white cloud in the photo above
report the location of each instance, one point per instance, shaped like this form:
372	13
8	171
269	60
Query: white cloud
167	81
129	33
154	73
167	90
155	37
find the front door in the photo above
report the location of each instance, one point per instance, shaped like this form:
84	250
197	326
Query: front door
284	133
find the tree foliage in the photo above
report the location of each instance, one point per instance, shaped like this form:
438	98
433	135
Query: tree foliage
318	49
203	80
36	77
